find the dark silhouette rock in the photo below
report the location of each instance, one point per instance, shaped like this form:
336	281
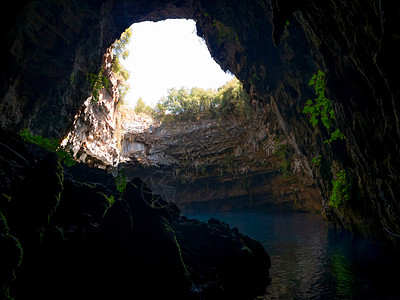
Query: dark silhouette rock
117	225
77	244
10	258
222	257
37	197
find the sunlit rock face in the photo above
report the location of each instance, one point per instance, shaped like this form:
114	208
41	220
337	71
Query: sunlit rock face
94	137
273	47
219	165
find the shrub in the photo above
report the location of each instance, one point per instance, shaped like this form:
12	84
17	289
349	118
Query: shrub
121	182
321	108
340	190
142	108
52	145
317	160
110	199
97	83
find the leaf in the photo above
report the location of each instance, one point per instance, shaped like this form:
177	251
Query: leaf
314	121
312	80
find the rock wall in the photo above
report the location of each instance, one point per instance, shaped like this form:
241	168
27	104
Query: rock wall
95	134
218	164
273	47
277	48
50	47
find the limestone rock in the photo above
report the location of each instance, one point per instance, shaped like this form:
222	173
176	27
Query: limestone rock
93	138
219	164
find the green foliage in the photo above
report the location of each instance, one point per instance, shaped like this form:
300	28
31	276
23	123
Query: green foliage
317	160
233	101
160	110
49	144
110	199
119	46
97	83
120	52
225	33
52	145
183	104
253	78
121	181
65	156
221	33
171	232
7	197
141	107
340	190
321	108
336	135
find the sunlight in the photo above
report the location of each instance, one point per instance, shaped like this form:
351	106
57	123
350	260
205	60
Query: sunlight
169	54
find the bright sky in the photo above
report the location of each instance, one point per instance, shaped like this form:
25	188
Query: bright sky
169	54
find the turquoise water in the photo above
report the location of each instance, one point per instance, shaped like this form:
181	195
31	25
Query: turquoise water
313	260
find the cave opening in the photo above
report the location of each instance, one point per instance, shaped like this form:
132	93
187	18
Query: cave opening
168	54
207	144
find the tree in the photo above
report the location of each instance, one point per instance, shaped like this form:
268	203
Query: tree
233	100
196	103
160	110
141	107
184	104
203	100
120	52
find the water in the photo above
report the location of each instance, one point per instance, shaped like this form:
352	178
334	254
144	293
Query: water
312	260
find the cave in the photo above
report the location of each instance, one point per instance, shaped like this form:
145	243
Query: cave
274	48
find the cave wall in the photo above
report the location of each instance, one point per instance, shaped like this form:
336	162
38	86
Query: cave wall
355	45
95	134
273	47
276	47
219	164
49	47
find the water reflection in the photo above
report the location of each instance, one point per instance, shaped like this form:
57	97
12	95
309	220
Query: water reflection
312	260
